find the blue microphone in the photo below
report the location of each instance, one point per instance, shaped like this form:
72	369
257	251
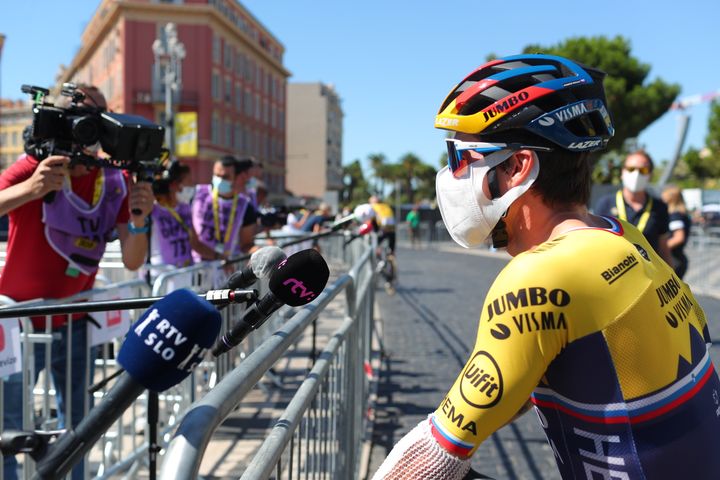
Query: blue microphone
160	350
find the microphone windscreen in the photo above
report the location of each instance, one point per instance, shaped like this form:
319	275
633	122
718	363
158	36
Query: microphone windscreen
169	340
300	279
264	261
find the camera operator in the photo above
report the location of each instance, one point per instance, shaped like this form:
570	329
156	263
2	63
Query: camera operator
223	216
55	244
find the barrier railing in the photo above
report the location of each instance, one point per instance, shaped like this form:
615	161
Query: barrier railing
124	448
38	398
337	380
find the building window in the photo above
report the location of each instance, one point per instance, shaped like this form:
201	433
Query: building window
229	56
215	86
216	49
248	102
239	64
258	107
250	71
228	91
228	132
238	97
238	137
215	129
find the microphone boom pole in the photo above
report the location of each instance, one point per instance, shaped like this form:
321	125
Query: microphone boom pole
216	297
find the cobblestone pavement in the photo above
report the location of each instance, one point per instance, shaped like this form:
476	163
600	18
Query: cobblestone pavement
429	329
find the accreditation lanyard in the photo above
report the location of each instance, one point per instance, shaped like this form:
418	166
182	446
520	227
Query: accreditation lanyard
216	217
620	202
97	189
177	217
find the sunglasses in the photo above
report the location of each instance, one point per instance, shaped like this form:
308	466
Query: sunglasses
642	170
461	154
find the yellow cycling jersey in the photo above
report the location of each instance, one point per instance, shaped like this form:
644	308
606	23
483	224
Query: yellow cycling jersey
611	348
384	215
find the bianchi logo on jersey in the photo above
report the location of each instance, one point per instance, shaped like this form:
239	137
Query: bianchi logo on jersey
481	385
615	272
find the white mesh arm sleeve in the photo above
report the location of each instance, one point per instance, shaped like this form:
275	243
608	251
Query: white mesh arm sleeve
418	456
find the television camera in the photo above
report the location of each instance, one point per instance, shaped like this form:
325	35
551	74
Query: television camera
132	142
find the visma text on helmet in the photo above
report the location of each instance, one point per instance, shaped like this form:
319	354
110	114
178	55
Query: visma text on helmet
506	104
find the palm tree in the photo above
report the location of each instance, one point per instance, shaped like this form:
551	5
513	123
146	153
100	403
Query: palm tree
377	162
411	166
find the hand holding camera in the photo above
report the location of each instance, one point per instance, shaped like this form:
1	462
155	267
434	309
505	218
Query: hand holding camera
140	201
49	176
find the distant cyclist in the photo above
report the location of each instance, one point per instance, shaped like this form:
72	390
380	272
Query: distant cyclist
385	219
587	322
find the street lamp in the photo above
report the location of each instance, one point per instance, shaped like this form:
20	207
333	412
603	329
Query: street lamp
169	55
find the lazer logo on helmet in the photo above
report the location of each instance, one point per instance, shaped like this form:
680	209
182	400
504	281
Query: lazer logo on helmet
584	145
507	104
446	122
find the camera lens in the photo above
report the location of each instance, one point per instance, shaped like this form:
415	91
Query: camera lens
86	130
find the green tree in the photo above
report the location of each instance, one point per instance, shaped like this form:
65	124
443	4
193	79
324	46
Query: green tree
712	140
634	103
355	187
377	163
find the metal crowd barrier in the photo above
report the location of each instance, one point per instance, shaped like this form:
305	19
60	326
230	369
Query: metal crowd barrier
322	428
124	448
38	399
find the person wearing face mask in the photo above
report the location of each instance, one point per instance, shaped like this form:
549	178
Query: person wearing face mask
224	219
173	236
54	248
586	323
249	171
635	204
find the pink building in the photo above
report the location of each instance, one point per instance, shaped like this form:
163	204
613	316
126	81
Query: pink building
232	76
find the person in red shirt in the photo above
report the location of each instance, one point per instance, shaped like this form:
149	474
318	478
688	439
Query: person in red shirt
53	251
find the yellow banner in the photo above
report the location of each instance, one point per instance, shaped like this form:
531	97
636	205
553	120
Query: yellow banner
186	136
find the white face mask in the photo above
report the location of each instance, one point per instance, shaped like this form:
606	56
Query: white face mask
635	181
224	187
185	195
468	214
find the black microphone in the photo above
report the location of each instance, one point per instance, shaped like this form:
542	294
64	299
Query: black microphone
160	350
262	263
296	281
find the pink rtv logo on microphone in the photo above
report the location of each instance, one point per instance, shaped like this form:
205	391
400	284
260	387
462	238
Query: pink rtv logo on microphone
298	288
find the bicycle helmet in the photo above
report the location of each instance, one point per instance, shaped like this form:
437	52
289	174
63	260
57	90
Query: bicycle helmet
558	100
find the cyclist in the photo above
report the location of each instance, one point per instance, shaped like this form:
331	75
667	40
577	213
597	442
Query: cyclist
380	216
385	219
586	321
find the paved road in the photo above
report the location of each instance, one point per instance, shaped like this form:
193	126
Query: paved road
429	330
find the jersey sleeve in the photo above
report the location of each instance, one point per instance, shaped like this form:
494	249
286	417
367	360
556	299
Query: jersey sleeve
523	326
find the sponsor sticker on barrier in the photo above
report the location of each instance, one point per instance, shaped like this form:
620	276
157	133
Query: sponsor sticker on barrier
114	323
10	357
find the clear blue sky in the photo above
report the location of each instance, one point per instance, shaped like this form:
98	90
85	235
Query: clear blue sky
392	62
